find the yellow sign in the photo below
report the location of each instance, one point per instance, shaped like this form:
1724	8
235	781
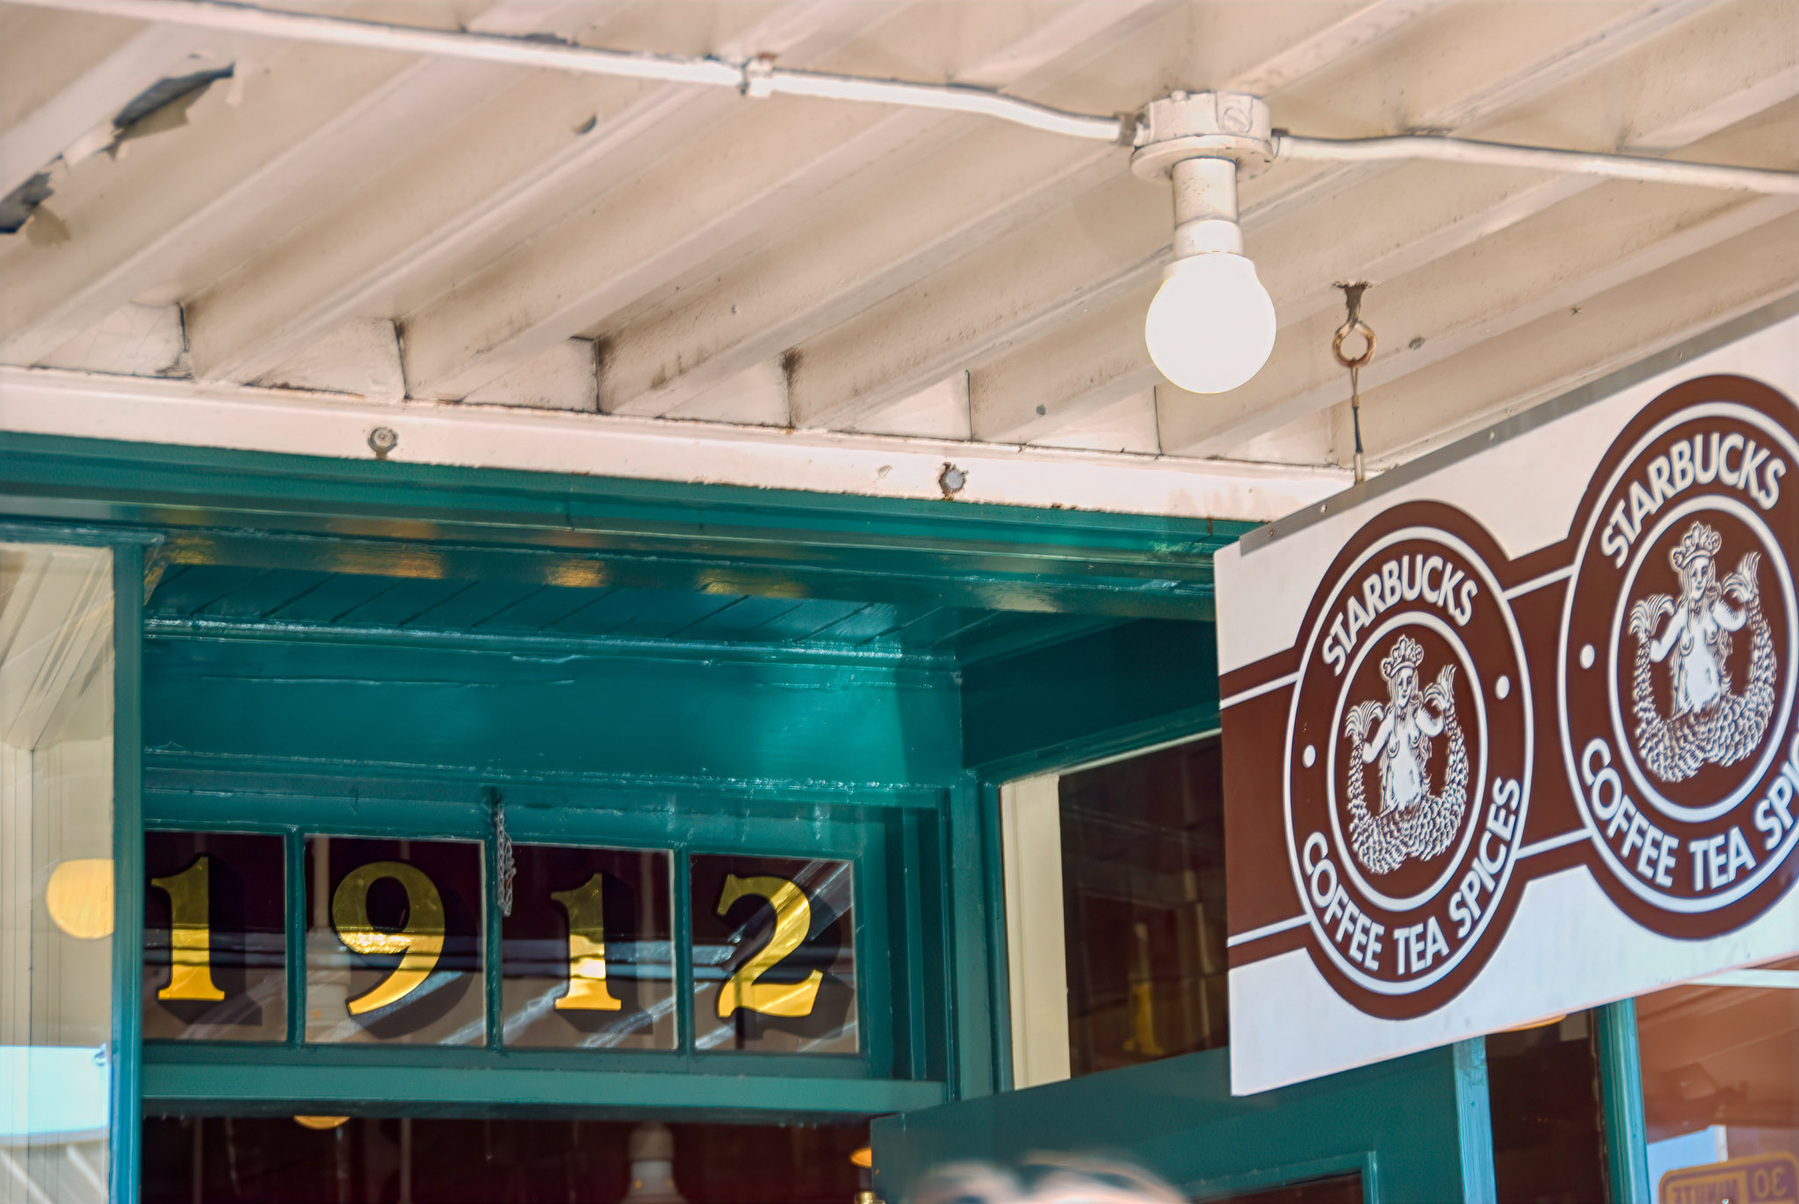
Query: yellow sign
1759	1179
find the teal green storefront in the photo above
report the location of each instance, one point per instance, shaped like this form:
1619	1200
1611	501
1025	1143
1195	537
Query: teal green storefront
387	652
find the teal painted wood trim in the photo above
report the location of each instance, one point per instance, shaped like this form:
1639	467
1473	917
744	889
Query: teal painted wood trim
999	960
1474	1118
363	1089
1125	687
1016	557
1397	1121
486	713
1621	1097
971	898
128	870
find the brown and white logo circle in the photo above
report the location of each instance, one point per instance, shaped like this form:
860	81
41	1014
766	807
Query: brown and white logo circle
1678	659
1408	761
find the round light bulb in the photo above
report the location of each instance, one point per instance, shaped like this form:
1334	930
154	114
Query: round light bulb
1211	325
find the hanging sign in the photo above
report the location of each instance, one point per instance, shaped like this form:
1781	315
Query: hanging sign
1517	736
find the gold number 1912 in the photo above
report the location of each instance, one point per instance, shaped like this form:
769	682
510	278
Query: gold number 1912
793	919
190	932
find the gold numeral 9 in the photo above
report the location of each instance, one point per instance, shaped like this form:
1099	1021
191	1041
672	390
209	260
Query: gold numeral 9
190	932
587	986
419	943
793	919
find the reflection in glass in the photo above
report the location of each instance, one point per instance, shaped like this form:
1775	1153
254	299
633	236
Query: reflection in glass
393	941
1721	1078
587	951
215	947
1143	906
774	955
56	871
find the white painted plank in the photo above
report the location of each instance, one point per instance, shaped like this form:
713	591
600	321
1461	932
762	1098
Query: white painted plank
44	401
361	357
136	340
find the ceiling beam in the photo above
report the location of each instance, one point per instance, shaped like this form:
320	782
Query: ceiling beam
713	191
470	183
1080	261
879	242
133	409
1601	240
1571	345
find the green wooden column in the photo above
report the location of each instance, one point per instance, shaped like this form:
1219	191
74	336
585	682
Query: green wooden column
128	867
1621	1096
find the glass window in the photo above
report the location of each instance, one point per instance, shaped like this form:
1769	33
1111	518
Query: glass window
1721	1086
215	937
393	941
1548	1132
56	871
774	955
588	950
1143	906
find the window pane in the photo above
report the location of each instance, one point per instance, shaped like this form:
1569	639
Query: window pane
1548	1137
587	950
774	955
56	871
215	937
393	941
1143	900
1721	1086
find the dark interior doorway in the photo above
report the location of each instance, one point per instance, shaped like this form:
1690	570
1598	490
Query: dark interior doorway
386	1160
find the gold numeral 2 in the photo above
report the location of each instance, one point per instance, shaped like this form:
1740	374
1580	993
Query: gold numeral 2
587	986
793	919
190	932
420	942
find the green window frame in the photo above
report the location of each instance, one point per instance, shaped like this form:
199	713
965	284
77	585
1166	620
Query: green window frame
901	1063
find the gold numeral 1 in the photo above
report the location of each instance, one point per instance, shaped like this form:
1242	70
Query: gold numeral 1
587	986
190	932
420	943
793	919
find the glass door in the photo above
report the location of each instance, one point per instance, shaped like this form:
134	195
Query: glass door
56	873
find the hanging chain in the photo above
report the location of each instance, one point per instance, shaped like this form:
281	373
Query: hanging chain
507	869
1353	324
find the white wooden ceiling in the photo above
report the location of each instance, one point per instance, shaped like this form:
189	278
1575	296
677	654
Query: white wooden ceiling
416	231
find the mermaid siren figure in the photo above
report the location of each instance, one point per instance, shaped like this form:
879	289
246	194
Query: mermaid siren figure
1413	821
1709	723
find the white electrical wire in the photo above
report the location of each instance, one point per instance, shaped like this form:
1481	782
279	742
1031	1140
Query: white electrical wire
759	78
955	98
1499	154
410	39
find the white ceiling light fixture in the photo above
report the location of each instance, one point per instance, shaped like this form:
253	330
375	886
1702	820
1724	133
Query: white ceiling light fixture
1211	326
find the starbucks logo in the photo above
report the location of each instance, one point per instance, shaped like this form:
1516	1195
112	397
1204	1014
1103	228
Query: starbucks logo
1408	762
1677	661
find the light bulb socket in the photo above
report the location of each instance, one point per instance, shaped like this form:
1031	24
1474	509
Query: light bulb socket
1186	125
